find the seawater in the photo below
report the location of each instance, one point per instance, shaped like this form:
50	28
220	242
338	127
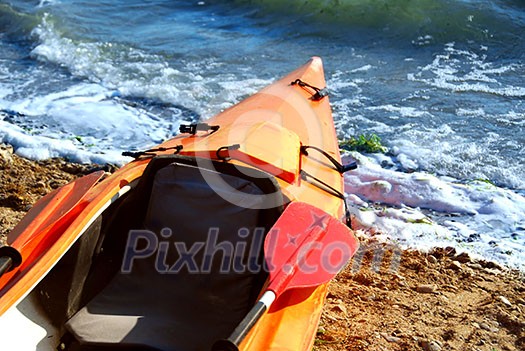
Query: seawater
442	83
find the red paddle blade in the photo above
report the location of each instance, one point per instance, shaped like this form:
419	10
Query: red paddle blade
306	247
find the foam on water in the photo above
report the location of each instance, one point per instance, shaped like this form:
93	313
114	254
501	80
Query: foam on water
85	123
465	135
129	70
133	72
403	111
443	151
466	71
41	147
44	3
424	193
424	211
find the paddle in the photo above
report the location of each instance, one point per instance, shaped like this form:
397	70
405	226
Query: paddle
299	251
49	211
52	208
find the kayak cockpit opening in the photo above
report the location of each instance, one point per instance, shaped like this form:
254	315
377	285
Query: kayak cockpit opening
174	266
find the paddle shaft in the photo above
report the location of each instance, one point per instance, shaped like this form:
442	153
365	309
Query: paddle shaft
244	327
279	283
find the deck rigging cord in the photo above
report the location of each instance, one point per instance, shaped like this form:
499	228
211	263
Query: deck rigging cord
325	186
152	152
318	94
338	166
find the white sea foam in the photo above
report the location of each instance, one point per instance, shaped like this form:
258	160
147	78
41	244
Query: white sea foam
40	147
130	71
443	151
44	3
423	211
513	118
133	72
403	111
84	123
479	112
465	71
362	69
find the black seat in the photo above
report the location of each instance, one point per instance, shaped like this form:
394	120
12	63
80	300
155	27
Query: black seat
151	308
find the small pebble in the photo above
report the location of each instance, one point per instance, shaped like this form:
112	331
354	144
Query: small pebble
432	259
469	271
371	297
475	266
492	271
462	257
444	299
426	288
40	184
455	265
390	338
505	301
399	276
431	346
402	283
339	308
487	327
54	184
330	296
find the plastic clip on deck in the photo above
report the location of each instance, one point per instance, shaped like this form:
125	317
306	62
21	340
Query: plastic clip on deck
196	127
222	149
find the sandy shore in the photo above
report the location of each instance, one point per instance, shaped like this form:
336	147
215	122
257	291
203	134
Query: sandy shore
386	299
434	301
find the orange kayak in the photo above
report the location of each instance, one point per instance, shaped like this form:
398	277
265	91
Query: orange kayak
174	250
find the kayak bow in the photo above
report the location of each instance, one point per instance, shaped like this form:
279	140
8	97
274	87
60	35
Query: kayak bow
226	234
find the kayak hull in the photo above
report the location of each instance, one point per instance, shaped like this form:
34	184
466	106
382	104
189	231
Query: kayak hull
265	132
